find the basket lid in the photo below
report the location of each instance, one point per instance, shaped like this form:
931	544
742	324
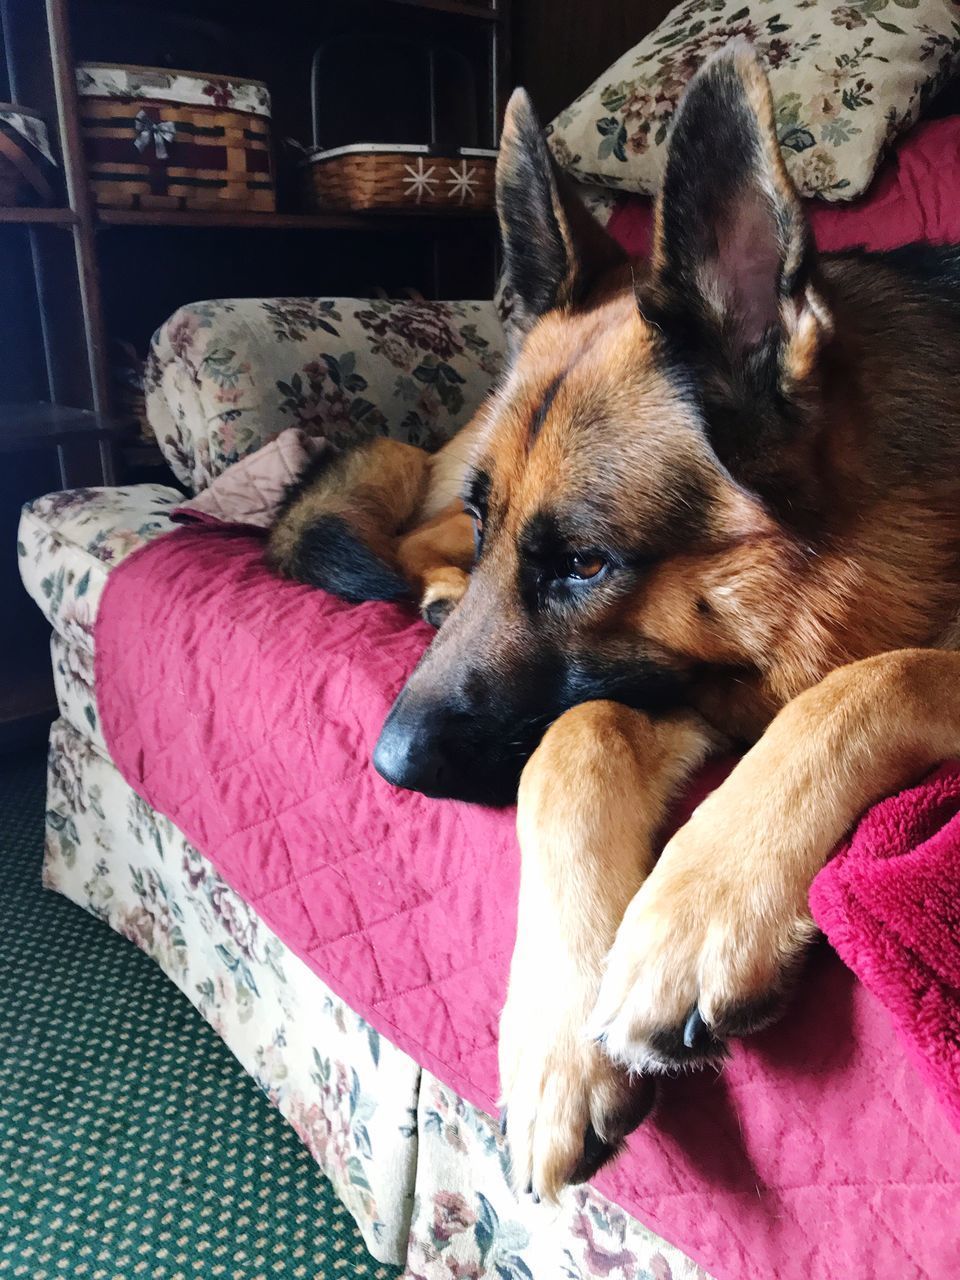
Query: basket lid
399	148
163	84
29	125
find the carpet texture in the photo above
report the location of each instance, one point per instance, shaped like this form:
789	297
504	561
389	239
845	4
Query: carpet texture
131	1142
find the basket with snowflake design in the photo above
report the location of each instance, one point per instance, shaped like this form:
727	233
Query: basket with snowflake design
398	177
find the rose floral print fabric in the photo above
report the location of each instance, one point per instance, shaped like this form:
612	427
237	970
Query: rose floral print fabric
847	79
223	377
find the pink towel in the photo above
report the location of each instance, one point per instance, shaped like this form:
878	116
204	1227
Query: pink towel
889	902
248	493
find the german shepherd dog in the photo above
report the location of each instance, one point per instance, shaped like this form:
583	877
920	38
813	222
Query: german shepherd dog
715	500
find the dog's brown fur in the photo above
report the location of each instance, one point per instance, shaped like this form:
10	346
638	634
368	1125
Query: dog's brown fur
761	452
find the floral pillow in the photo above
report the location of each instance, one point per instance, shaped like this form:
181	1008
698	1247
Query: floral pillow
846	79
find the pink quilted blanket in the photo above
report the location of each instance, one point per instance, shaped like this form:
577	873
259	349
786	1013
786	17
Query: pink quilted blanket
245	709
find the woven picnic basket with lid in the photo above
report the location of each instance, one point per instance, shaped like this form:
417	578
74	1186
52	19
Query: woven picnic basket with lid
413	146
398	176
26	162
161	139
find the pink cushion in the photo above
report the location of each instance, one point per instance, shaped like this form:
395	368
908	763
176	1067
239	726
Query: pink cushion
245	709
916	196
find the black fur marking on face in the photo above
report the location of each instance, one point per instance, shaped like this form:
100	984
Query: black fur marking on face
540	416
466	730
541	539
674	518
634	681
331	556
542	547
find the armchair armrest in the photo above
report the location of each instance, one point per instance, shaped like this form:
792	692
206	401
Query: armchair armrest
223	377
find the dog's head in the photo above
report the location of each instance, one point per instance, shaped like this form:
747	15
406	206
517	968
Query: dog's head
632	465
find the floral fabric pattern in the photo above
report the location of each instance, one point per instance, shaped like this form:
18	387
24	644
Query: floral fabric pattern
846	80
350	1095
477	1228
67	542
424	1173
224	377
31	128
103	80
73	681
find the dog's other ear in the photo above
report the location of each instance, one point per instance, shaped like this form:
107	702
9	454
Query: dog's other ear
733	256
553	249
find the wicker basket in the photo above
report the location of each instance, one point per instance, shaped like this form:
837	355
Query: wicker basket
388	176
26	165
159	139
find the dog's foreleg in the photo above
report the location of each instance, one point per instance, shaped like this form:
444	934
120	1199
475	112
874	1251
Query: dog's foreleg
437	553
707	942
436	558
592	799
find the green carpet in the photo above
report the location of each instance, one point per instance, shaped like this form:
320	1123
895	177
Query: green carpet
131	1142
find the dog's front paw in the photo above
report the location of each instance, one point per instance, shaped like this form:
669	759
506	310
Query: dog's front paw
566	1107
442	592
705	947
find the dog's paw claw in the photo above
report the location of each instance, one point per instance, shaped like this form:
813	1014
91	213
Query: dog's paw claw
690	970
697	1036
566	1106
437	612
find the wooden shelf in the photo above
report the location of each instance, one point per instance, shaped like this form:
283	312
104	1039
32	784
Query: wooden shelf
284	221
31	426
461	7
39	217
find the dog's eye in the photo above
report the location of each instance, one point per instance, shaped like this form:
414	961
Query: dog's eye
583	565
477	519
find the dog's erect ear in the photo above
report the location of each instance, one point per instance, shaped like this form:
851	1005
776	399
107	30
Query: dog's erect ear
553	248
731	245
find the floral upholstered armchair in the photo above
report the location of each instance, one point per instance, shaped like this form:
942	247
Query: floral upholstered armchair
423	1172
223	377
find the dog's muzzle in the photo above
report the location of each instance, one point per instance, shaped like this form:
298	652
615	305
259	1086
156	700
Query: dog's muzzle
432	747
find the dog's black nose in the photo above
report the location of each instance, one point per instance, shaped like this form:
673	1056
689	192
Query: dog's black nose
409	754
427	746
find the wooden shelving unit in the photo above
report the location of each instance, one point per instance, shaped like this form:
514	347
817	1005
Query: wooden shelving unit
39	43
39	217
102	274
372	222
484	13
